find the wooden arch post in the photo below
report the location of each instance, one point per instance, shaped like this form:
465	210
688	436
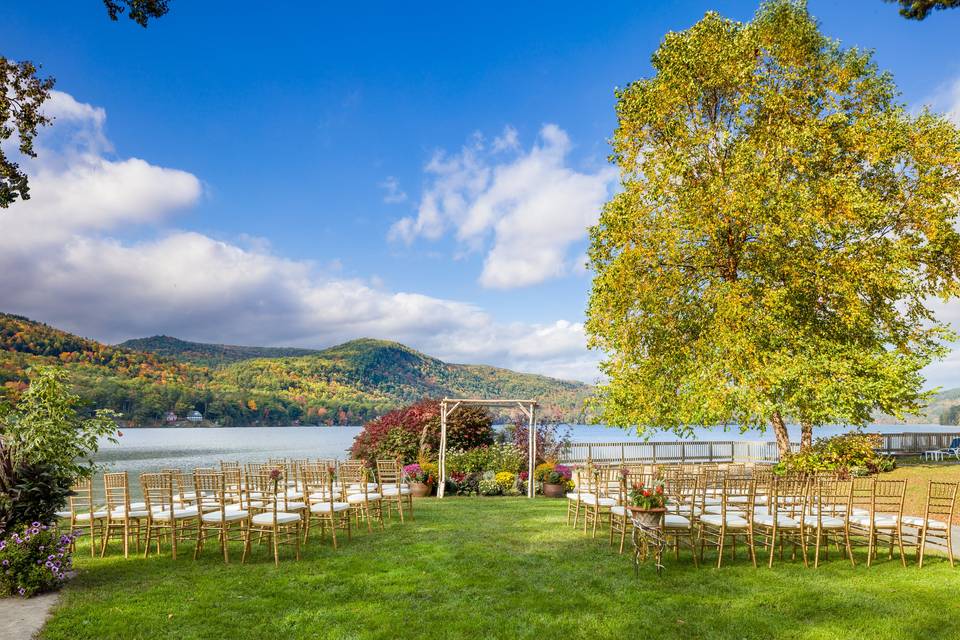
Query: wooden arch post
529	409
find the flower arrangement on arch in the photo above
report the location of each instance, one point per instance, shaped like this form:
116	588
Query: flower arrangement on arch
652	497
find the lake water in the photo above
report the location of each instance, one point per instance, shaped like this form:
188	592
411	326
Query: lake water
141	450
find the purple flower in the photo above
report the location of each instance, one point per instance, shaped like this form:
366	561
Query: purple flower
21	591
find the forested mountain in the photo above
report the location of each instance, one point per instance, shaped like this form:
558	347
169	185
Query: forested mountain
210	355
230	385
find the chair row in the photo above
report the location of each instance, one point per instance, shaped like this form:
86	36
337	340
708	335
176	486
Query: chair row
805	513
280	503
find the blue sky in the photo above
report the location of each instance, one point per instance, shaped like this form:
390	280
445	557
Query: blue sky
259	165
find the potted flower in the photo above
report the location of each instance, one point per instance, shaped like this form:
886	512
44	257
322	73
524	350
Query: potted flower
555	478
647	504
421	479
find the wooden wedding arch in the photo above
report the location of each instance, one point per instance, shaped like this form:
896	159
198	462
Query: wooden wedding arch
529	409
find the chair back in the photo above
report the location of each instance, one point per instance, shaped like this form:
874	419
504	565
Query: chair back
178	483
682	492
117	493
318	484
789	497
888	497
941	501
390	473
212	486
272	493
831	498
954	444
81	498
738	496
157	491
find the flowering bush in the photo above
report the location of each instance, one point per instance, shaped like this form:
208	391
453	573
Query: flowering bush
489	487
850	453
506	480
425	473
34	560
414	431
497	457
648	497
552	473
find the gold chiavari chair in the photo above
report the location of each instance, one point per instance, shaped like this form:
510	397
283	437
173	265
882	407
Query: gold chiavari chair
281	527
326	507
935	525
165	515
183	497
736	494
782	519
85	516
364	500
393	488
680	521
620	520
123	517
883	523
827	517
597	504
582	478
220	518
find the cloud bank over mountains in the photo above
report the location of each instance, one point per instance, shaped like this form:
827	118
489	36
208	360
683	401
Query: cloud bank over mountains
69	260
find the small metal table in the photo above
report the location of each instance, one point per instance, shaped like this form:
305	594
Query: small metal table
647	539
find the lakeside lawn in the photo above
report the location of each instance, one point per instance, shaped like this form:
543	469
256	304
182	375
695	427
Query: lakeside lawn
498	568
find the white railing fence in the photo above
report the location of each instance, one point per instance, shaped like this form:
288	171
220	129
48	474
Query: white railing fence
729	450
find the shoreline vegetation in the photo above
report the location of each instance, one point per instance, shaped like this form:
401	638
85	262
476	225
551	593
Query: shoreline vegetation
347	384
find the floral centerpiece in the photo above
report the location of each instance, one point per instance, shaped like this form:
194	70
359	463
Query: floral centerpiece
422	478
648	504
556	478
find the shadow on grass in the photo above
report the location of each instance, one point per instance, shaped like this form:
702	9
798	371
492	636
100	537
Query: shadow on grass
497	568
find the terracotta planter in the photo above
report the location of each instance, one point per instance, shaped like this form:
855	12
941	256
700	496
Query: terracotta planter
420	489
553	490
648	518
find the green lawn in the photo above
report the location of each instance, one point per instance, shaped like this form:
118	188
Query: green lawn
498	568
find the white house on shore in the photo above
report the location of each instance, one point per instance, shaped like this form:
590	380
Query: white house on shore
195	416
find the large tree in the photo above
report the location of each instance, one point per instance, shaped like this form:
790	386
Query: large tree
23	92
782	227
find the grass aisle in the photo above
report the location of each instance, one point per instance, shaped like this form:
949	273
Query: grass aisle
497	568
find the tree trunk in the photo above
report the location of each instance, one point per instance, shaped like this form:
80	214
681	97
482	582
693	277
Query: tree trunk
806	435
780	430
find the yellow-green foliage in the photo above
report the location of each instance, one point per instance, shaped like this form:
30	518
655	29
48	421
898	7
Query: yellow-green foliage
783	224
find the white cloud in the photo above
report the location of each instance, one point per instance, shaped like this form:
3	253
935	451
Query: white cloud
946	100
526	213
62	265
393	194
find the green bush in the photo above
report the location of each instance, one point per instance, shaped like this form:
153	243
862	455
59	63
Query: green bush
45	444
497	457
853	453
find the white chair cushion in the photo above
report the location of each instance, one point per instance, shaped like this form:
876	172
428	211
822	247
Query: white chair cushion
573	495
139	506
618	510
290	506
914	521
733	522
371	486
294	495
357	498
282	518
603	502
133	513
673	521
178	514
325	507
63	514
97	515
880	521
826	522
322	495
393	490
783	522
231	515
859	512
